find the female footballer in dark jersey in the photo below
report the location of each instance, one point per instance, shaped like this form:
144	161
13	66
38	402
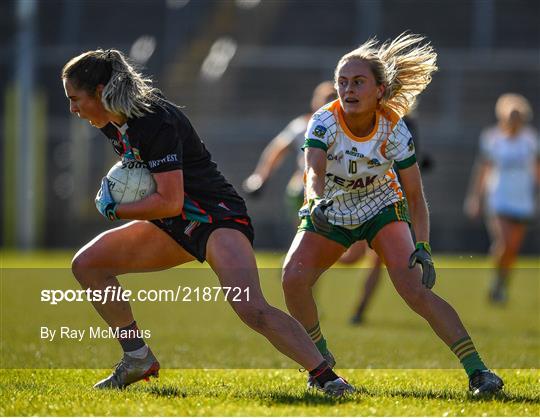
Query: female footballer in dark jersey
194	214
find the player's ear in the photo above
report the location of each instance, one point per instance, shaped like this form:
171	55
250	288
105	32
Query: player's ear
99	90
380	91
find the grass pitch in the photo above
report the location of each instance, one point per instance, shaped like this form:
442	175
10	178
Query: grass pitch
213	365
263	393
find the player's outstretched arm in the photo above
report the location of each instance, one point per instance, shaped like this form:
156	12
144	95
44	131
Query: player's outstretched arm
270	160
411	181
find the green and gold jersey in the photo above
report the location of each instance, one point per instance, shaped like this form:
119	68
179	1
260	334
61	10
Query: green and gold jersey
360	177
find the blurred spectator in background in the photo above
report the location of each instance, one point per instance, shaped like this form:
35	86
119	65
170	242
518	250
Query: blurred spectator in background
290	139
505	175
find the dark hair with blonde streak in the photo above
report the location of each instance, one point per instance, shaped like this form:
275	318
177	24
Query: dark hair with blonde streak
404	66
126	91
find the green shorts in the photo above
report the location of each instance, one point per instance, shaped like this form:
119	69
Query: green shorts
397	212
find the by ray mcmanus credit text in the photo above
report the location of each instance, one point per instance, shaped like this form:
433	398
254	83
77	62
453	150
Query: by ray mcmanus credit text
69	333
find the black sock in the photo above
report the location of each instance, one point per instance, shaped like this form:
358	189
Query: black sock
323	373
129	337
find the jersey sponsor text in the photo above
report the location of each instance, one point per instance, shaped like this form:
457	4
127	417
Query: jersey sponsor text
170	158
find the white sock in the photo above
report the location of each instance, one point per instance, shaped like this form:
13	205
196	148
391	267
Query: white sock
140	353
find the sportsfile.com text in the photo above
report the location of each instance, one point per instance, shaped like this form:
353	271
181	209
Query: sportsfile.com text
116	293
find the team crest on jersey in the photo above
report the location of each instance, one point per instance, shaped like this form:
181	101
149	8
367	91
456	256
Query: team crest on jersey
410	145
319	131
373	163
354	152
335	157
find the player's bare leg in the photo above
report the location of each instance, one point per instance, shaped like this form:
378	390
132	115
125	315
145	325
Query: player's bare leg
230	255
507	237
514	233
309	256
394	245
96	266
118	251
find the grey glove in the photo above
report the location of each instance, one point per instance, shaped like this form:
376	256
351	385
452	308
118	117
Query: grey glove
105	204
422	256
317	208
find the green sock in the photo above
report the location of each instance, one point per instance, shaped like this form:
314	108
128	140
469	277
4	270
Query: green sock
321	346
468	356
316	336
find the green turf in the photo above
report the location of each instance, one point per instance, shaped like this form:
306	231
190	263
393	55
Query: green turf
262	392
214	365
265	259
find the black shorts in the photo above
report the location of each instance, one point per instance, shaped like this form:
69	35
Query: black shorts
192	236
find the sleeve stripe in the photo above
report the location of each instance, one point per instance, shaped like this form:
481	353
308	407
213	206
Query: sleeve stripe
406	163
314	143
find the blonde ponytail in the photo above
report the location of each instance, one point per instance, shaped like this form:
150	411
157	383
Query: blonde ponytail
404	66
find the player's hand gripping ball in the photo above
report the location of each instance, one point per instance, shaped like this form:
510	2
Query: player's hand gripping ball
127	181
105	204
130	181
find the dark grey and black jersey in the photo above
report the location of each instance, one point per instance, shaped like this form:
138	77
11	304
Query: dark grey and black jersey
165	140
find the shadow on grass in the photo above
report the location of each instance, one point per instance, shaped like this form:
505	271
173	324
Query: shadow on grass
316	398
166	391
452	396
308	398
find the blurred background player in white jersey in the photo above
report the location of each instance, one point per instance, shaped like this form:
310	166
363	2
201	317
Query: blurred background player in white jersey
504	179
290	139
353	193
